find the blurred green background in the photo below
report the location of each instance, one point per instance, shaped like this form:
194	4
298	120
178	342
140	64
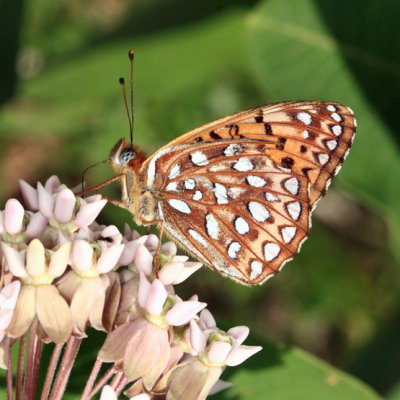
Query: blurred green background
195	61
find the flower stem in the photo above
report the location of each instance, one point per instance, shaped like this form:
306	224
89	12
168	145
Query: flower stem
50	371
121	385
102	381
36	363
9	374
20	368
64	371
29	383
92	379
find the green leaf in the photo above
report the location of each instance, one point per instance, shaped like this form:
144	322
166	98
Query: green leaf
322	50
278	373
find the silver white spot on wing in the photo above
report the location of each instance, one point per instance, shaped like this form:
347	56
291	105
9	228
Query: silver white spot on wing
176	169
198	238
256	181
180	206
220	193
331	108
350	111
256	269
241	226
306	134
212	226
294	209
337	130
199	158
271	251
288	233
336	117
190	184
331	144
258	211
197	195
355	123
233	149
304	117
323	158
243	165
292	185
172	186
233	250
270	197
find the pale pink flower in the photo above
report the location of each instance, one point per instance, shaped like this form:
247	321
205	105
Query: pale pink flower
84	286
60	205
8	300
144	344
37	267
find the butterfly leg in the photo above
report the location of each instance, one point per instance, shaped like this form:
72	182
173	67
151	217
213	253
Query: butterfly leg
157	253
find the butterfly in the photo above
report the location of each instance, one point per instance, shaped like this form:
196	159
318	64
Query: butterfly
238	192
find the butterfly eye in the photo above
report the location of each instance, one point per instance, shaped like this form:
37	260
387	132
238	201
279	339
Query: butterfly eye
126	155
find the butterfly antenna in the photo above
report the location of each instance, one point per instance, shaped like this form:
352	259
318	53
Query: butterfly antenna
122	83
131	55
87	169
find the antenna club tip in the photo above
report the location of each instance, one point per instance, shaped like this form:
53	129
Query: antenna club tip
121	81
130	54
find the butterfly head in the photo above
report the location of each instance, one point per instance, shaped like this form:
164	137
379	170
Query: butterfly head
125	157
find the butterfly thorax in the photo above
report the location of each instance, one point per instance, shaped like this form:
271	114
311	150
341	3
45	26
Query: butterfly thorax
127	160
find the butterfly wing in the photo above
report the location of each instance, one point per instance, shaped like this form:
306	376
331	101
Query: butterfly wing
238	192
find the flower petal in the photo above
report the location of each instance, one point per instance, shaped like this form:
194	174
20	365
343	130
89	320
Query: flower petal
64	206
129	252
239	333
30	196
240	354
82	255
143	290
143	260
109	258
14	260
35	258
182	313
156	298
198	339
189	269
36	225
45	200
9	295
218	352
13	216
207	321
52	184
59	260
116	342
53	313
24	312
170	272
169	248
88	212
108	393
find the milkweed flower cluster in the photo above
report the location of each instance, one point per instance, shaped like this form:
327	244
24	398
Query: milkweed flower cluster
62	273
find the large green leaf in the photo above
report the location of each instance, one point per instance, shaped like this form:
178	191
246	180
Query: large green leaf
278	373
308	49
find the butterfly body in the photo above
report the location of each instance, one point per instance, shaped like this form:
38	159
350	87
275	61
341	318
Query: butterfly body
238	192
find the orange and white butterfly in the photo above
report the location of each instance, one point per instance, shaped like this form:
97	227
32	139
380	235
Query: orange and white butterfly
238	192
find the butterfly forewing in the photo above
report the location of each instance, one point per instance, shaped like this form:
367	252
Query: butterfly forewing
238	192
